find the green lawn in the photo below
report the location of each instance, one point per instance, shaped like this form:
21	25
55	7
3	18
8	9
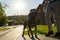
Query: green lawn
3	29
43	29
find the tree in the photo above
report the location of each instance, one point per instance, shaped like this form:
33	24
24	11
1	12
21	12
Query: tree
2	15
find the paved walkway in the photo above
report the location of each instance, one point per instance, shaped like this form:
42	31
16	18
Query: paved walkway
13	35
16	34
40	37
7	31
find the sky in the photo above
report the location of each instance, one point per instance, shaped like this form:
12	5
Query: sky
13	7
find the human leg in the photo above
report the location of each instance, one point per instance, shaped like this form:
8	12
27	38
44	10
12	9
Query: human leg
57	16
58	25
31	31
23	30
48	20
35	31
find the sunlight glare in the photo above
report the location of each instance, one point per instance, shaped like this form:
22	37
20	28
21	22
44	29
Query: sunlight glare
19	6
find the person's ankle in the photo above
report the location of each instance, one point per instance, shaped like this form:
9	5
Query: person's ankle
22	35
49	33
36	36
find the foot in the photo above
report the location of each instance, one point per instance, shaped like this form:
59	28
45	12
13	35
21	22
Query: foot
36	37
29	35
22	35
32	38
50	33
57	34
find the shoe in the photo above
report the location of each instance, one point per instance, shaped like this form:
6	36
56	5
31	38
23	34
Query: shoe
49	33
32	38
57	34
36	37
22	35
29	35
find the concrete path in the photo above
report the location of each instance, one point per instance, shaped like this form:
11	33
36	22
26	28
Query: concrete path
40	37
7	31
16	34
13	35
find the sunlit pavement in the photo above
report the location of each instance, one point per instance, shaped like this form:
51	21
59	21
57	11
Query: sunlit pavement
40	37
16	34
13	35
7	31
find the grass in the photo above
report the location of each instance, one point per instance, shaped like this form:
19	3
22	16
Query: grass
3	29
42	29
